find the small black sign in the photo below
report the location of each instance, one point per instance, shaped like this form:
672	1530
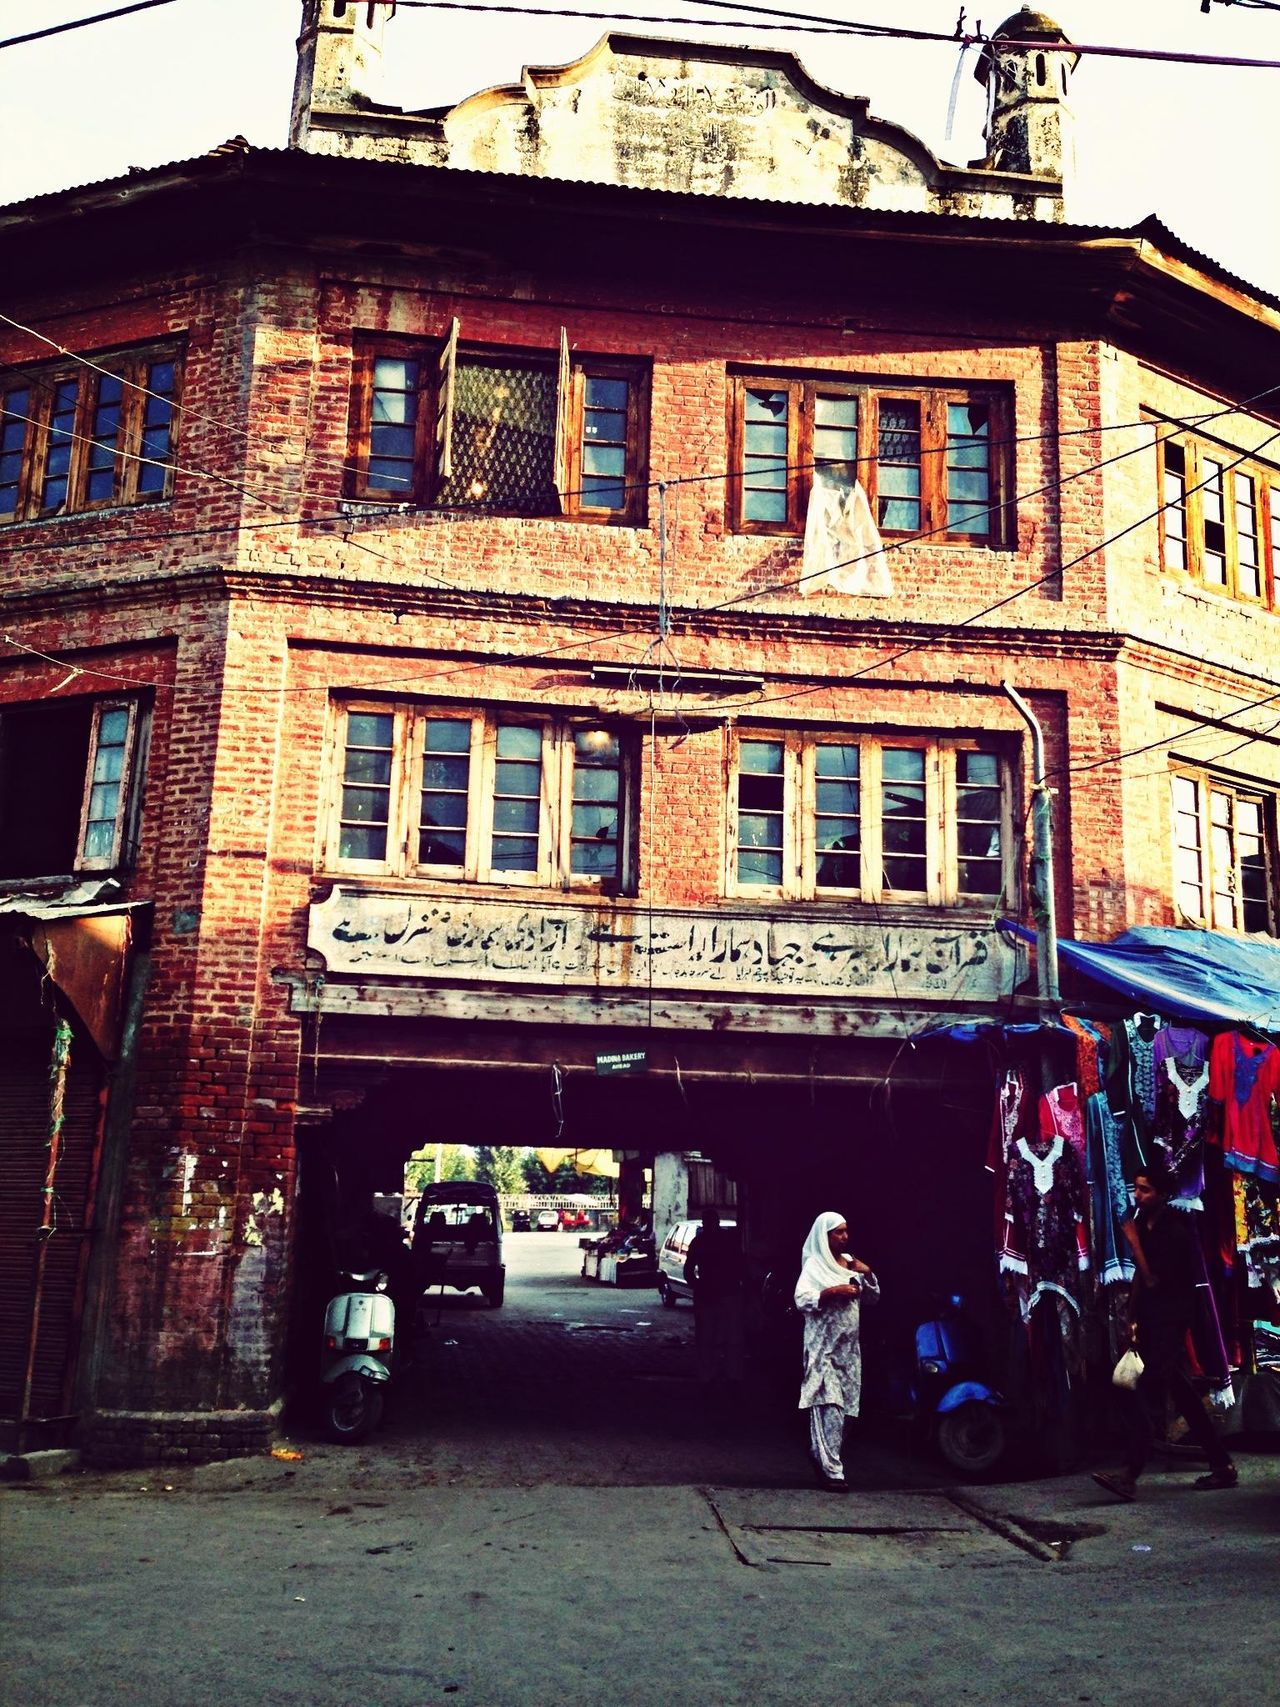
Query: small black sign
622	1061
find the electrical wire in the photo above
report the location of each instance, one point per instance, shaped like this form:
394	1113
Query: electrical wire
542	653
178	407
805	24
987	610
347	519
39	378
83	23
204	474
1168	740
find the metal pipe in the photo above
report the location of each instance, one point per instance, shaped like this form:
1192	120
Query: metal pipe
59	1062
1042	887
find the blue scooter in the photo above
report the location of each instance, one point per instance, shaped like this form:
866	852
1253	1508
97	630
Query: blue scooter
965	1416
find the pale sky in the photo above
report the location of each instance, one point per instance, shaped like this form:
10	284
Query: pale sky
1196	145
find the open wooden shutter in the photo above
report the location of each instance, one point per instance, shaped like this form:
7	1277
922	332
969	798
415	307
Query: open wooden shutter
564	406
445	381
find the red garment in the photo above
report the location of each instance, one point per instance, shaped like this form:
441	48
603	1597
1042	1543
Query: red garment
1244	1075
1062	1116
1088	1066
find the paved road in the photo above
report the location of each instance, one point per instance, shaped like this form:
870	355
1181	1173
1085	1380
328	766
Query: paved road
333	1586
577	1383
552	1518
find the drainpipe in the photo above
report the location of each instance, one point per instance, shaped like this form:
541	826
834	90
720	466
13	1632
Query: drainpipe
1042	901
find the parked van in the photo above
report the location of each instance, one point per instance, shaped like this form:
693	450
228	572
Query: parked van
672	1285
457	1239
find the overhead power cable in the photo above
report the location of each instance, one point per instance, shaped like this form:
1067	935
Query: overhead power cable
987	610
178	407
799	23
538	654
83	23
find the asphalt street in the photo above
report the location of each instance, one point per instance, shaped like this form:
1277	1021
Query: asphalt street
538	1524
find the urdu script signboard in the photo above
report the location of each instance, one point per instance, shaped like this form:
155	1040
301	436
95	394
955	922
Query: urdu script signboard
610	947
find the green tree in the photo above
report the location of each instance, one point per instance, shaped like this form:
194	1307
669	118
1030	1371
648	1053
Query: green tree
500	1165
420	1169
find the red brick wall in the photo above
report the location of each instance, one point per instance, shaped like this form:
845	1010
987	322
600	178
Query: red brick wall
244	635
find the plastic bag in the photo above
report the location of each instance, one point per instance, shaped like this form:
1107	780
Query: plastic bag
1128	1371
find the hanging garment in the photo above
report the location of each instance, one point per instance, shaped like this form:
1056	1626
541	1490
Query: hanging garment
1091	1041
1182	1114
1045	1249
1244	1075
1131	1087
1108	1195
1181	1040
1061	1116
1011	1118
843	551
1257	1215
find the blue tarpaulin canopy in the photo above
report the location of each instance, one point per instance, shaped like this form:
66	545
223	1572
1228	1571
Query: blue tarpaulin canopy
1204	975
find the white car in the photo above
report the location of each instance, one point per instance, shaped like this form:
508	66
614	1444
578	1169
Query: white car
548	1221
672	1284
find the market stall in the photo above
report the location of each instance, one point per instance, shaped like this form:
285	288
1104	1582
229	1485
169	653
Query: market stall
1182	1072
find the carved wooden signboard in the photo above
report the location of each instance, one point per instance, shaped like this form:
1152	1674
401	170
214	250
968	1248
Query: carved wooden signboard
610	947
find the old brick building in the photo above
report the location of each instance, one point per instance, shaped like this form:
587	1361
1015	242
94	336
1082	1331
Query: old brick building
414	682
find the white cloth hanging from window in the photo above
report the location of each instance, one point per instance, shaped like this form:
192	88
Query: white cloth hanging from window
843	551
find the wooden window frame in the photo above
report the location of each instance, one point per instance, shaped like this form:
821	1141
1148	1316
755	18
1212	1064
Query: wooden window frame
433	421
132	367
803	392
1207	784
555	817
123	813
800	851
128	812
1266	511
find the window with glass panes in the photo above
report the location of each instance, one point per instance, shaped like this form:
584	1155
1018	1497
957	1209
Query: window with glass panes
105	790
762	793
1218	521
818	815
88	437
928	460
1223	869
68	800
595	846
524	437
482	796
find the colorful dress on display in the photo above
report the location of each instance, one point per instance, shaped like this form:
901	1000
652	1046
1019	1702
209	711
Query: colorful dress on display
1108	1194
1182	1115
1109	1205
1257	1217
1046	1248
1244	1075
1061	1116
1131	1087
1011	1117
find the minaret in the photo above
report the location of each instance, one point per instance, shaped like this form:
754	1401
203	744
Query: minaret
339	59
1030	124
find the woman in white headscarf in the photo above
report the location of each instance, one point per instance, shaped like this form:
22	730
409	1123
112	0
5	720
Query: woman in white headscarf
829	1295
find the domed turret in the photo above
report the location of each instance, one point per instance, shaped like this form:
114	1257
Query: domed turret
1026	68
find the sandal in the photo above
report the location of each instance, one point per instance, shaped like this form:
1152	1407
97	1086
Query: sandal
1226	1476
1118	1483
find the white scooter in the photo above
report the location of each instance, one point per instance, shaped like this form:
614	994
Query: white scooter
359	1343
